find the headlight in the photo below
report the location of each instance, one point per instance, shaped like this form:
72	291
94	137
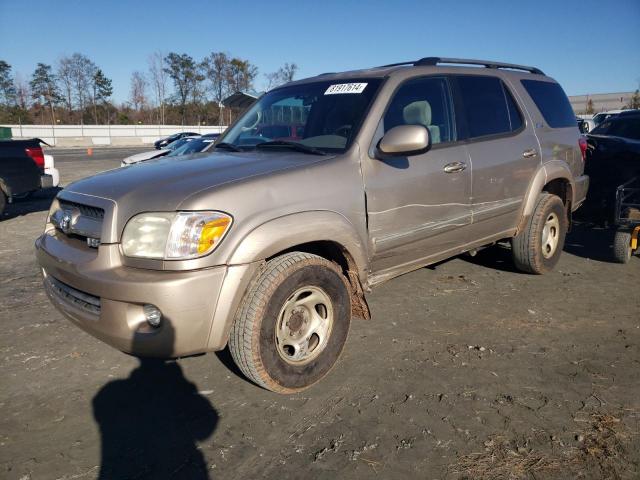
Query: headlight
174	235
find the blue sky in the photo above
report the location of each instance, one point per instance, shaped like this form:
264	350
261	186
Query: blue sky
590	46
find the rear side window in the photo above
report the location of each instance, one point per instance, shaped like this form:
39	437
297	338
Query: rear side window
488	106
552	103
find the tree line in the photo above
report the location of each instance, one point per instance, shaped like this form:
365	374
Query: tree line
174	89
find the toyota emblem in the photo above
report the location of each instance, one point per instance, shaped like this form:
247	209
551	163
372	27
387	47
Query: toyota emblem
65	222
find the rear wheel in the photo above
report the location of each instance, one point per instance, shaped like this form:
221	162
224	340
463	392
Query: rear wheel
293	323
622	246
538	247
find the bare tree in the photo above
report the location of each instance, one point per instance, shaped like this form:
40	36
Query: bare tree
65	77
283	75
138	95
217	71
158	77
83	71
23	91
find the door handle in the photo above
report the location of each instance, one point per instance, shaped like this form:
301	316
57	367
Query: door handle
532	152
454	167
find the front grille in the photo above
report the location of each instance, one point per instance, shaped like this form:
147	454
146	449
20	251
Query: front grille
82	300
76	220
85	210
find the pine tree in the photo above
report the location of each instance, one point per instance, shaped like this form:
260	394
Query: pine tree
102	90
44	88
7	87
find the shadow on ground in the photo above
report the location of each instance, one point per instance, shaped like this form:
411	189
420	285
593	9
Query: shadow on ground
150	422
36	202
497	257
590	241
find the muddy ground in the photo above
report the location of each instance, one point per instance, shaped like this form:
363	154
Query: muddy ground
467	370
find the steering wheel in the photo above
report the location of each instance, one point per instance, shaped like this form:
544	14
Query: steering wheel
346	128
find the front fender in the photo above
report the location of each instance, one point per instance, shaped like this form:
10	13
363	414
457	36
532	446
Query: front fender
288	231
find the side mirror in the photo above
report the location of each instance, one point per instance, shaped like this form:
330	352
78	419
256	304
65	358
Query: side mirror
405	140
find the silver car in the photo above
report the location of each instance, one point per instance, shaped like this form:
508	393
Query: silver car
269	244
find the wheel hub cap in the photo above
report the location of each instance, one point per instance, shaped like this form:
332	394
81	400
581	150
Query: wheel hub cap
304	325
550	235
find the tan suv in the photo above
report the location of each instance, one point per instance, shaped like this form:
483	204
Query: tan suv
268	244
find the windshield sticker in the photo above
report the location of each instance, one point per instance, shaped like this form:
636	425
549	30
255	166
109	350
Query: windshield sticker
345	88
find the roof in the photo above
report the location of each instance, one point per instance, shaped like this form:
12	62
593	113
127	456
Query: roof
432	62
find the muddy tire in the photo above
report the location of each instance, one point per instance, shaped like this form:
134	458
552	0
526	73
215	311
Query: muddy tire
538	247
293	322
622	246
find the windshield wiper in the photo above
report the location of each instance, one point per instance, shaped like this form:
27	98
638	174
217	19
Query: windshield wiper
293	145
228	146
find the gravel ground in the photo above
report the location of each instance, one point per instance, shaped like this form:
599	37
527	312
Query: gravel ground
468	369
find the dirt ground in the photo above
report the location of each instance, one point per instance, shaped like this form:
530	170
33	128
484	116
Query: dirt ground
468	369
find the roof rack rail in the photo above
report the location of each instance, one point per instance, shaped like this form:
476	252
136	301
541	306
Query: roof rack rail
464	61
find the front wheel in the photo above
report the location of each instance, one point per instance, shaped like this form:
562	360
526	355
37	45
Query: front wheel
538	247
293	323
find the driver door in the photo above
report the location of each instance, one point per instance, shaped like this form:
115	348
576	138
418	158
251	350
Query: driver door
418	206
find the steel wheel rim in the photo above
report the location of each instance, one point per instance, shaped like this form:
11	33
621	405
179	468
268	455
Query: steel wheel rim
550	235
304	325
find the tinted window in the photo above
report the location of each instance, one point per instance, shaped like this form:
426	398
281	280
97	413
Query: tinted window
488	106
552	103
423	101
620	127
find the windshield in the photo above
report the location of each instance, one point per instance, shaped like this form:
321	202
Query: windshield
322	115
196	145
178	143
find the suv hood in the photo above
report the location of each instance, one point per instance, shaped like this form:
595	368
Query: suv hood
164	184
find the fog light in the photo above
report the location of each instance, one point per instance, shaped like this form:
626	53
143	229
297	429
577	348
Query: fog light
152	315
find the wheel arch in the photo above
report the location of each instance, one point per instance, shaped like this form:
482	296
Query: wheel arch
553	177
324	233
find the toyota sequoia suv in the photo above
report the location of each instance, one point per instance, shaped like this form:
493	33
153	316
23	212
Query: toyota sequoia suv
269	245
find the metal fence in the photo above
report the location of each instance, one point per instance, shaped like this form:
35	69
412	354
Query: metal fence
95	135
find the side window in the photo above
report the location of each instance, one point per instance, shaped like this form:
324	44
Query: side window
552	103
423	101
488	106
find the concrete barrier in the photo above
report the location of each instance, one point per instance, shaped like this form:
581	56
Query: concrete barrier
90	135
126	141
73	142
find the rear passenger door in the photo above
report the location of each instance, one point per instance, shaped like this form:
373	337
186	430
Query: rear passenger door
503	148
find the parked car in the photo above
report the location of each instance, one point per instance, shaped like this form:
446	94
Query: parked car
163	142
151	154
24	169
196	145
613	158
602	116
50	169
270	245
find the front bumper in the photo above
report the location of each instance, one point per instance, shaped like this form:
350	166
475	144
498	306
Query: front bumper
105	298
